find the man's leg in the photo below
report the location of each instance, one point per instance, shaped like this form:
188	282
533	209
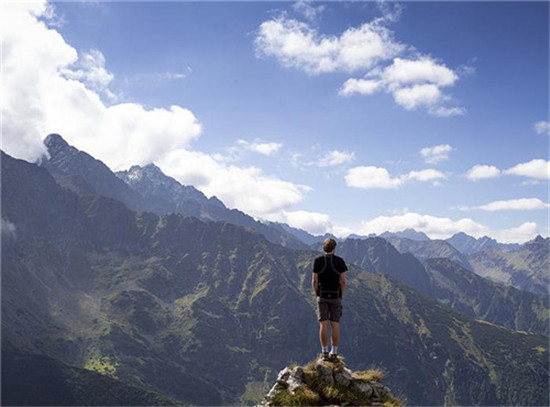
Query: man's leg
323	334
335	337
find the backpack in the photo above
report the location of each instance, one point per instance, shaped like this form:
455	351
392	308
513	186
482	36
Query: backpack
324	293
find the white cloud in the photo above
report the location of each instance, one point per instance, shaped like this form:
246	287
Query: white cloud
359	86
313	222
422	70
542	127
478	172
414	81
90	69
538	168
335	157
48	87
295	44
424	175
308	9
521	234
371	177
418	95
522	204
436	154
265	148
442	111
245	188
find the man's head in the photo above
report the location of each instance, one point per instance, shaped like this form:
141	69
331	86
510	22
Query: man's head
329	245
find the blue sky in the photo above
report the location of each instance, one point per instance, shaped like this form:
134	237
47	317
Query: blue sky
310	113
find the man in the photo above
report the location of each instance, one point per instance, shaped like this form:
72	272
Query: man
329	282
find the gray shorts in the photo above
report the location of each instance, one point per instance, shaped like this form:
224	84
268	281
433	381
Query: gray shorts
329	309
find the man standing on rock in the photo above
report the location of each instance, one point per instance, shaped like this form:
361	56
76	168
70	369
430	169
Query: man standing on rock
329	282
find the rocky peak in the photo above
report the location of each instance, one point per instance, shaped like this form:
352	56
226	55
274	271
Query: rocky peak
55	141
322	383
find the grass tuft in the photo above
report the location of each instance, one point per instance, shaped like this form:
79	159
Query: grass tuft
371	375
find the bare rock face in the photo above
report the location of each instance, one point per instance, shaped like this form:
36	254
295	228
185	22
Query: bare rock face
326	383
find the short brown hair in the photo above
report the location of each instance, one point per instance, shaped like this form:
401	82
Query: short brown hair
329	245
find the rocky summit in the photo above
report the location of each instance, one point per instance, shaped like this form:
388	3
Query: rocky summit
322	383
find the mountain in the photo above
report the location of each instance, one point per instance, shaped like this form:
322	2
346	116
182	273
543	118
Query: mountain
427	249
526	268
407	234
29	379
377	255
473	295
145	189
304	236
328	384
450	283
469	245
207	312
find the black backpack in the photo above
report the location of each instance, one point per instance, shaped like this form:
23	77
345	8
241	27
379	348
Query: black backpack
324	293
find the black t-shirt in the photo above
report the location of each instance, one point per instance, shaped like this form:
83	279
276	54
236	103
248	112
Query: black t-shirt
329	267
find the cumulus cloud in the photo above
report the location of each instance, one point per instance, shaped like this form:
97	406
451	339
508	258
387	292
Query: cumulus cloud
360	86
257	146
542	127
478	172
538	168
369	177
436	154
522	204
335	157
48	87
521	234
313	222
246	188
415	81
295	44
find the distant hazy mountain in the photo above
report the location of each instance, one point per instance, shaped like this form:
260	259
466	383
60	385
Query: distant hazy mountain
469	245
450	283
145	189
204	311
427	249
526	268
407	234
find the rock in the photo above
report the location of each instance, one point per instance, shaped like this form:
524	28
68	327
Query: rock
344	377
296	379
364	388
325	372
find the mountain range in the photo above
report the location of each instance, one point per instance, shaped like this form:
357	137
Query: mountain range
203	312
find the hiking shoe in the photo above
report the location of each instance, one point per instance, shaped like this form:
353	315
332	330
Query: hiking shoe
333	357
325	356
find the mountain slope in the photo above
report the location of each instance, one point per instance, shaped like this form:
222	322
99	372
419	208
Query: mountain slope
145	189
526	268
200	311
450	283
151	183
469	245
29	380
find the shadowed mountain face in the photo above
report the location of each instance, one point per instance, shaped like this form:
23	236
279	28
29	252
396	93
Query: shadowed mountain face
526	269
146	189
203	311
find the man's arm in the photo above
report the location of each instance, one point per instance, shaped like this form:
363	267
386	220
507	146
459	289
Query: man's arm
315	283
343	282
